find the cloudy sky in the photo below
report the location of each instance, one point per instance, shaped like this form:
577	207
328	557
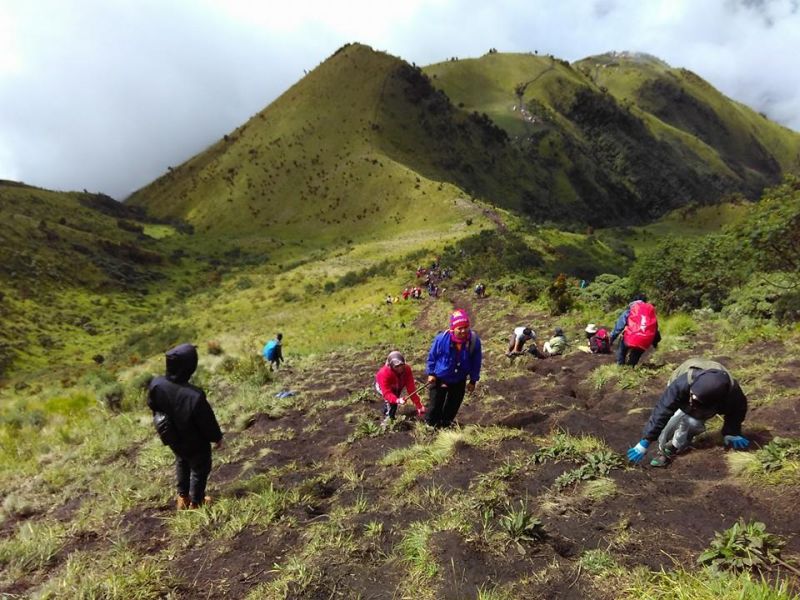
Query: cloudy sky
105	94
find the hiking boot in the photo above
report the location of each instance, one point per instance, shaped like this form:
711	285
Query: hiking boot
664	457
183	502
206	500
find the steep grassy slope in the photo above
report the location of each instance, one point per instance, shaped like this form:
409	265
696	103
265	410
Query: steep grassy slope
601	141
76	268
529	496
308	168
756	149
365	145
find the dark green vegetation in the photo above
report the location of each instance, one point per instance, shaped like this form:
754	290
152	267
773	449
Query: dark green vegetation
622	136
303	220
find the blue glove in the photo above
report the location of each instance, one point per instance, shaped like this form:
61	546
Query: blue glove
636	454
737	441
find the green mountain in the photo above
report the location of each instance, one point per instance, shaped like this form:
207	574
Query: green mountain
367	144
623	133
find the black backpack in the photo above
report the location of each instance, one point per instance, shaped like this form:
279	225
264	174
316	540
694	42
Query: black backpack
165	428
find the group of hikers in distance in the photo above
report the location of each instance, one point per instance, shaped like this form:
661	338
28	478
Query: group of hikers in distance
696	391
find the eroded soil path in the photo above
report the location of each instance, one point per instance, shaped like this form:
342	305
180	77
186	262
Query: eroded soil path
655	517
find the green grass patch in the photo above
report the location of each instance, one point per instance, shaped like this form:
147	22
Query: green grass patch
424	457
777	463
119	574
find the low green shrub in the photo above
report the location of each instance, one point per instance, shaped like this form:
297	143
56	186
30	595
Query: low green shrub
743	547
520	525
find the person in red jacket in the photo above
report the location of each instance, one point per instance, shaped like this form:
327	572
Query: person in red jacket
390	381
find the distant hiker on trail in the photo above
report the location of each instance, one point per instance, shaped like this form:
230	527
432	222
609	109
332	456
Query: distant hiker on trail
390	381
697	390
556	344
186	423
597	340
638	325
273	352
454	357
516	342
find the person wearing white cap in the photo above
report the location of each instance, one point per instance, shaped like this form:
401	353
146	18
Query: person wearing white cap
390	381
516	342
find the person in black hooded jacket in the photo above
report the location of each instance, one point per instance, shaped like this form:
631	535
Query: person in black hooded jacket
193	420
697	390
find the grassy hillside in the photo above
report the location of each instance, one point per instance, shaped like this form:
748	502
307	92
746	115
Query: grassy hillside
77	269
610	129
529	497
310	167
756	149
367	144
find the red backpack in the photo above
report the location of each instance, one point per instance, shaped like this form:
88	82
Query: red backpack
600	343
642	325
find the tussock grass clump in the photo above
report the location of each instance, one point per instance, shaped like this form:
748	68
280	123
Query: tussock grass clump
226	517
32	548
120	574
560	445
703	585
777	463
414	552
423	457
624	378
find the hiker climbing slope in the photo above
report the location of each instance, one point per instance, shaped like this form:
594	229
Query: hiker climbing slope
516	343
454	357
638	325
273	352
391	380
697	390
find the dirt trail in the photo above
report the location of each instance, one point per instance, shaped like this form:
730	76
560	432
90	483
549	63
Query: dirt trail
657	518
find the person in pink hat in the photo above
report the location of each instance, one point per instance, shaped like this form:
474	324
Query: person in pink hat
454	366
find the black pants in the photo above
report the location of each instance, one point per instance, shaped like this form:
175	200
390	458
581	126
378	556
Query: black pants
628	355
445	400
192	475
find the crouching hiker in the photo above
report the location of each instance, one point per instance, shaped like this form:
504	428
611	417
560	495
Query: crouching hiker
597	340
390	381
185	421
697	390
556	344
454	357
516	342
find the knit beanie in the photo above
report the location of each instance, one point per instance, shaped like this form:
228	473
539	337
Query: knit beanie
710	386
459	318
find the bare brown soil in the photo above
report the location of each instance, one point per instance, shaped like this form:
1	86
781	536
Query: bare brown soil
658	518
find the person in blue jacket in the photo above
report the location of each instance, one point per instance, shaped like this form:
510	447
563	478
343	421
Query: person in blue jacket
454	367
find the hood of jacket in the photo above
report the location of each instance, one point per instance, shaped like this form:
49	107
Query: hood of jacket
181	363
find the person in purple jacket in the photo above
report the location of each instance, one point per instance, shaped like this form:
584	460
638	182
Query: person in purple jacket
454	367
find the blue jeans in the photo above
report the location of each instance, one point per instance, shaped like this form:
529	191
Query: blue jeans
680	430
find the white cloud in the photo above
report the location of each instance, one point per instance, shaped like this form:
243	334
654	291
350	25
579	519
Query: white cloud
105	95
